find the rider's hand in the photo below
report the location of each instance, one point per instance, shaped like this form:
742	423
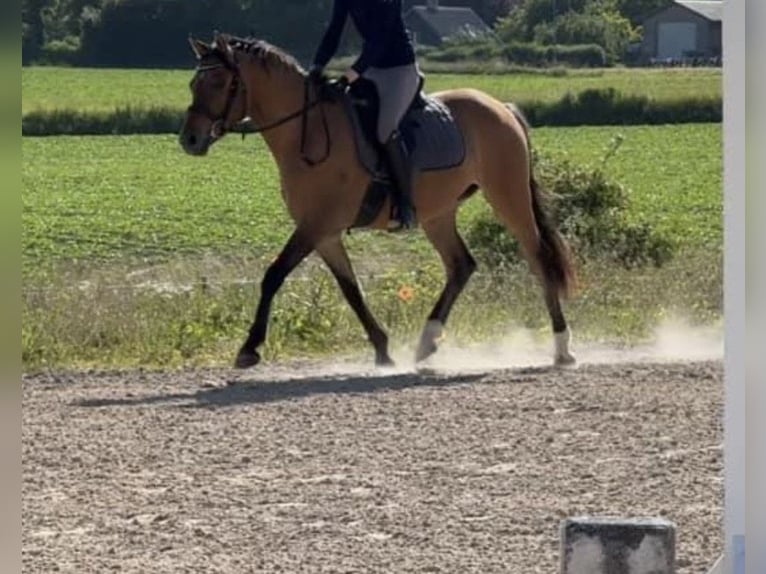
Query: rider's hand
351	75
335	88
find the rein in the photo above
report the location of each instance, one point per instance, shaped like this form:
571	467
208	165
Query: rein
219	129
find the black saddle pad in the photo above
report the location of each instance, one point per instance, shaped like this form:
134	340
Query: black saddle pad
430	132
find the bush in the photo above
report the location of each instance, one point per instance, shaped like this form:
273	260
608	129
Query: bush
580	55
449	54
608	30
526	53
592	214
456	52
61	52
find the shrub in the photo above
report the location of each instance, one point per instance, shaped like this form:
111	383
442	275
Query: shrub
581	55
591	212
449	54
578	55
608	30
61	52
467	50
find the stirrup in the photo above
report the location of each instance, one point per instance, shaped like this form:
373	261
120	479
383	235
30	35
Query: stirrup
395	226
398	224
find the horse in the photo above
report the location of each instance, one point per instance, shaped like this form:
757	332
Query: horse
323	184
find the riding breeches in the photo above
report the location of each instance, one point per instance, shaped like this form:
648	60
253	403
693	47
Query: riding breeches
397	88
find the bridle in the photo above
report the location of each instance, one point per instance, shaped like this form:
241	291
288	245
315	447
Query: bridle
219	128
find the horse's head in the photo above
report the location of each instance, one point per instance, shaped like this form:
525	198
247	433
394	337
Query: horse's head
218	96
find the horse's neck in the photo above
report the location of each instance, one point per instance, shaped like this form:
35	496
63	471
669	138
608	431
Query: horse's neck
273	95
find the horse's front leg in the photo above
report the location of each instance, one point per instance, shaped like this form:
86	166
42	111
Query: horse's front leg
459	266
296	250
335	256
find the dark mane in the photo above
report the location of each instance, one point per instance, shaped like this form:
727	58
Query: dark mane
266	53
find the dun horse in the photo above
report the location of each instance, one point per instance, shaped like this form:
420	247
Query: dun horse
246	80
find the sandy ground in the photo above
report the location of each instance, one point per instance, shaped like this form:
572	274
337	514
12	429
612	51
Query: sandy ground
304	468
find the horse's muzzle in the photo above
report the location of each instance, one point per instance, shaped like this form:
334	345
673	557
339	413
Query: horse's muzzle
193	144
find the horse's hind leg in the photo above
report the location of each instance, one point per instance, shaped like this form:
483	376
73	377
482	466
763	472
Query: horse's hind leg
295	251
335	256
459	266
518	204
561	334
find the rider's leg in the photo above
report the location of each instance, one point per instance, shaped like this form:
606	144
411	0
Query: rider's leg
401	170
396	88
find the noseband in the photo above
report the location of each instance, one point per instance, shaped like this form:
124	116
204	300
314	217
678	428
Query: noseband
219	129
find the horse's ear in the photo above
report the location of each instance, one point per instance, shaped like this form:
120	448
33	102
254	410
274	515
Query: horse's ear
221	43
199	48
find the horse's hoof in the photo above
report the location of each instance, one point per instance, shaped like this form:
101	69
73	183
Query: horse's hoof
567	360
433	332
247	359
425	350
384	361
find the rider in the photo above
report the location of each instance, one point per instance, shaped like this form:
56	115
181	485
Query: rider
388	60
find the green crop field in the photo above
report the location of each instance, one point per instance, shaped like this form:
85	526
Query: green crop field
46	88
104	198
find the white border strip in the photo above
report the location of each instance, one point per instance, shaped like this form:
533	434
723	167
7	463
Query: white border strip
734	283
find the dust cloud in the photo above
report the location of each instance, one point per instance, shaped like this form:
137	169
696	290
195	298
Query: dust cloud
675	340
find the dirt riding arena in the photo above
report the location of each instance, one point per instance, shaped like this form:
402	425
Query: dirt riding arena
303	468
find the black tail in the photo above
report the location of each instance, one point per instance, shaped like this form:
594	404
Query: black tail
554	255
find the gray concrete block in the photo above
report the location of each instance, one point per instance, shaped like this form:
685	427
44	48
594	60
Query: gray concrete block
617	546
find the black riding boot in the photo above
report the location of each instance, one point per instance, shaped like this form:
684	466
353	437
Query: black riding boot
401	171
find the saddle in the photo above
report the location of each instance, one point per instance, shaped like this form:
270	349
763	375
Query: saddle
432	138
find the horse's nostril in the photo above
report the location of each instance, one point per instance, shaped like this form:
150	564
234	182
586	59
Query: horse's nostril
192	140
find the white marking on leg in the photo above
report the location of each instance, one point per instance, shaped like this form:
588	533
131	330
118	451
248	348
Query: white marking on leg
563	356
433	330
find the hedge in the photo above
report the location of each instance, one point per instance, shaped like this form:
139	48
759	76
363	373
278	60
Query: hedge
607	106
121	121
590	107
521	54
585	55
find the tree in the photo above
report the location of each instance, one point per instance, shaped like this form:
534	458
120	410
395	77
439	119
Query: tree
570	22
599	23
152	33
32	29
519	25
277	21
637	10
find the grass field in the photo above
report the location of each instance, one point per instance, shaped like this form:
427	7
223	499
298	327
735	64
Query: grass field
136	254
46	88
107	198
